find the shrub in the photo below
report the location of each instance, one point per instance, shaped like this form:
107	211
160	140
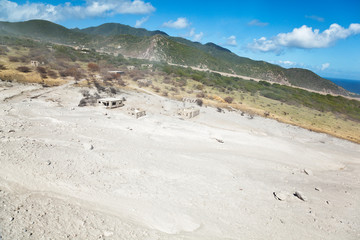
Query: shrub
199	102
156	89
167	80
200	95
199	87
229	99
121	82
174	89
72	72
23	69
13	59
52	74
93	67
41	70
3	50
2	67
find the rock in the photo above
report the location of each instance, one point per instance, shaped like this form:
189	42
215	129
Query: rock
88	146
308	172
11	131
281	196
219	140
318	189
300	196
48	162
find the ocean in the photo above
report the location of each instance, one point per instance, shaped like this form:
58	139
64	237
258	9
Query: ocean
348	84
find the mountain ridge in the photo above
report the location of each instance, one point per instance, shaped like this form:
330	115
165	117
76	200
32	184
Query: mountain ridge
116	38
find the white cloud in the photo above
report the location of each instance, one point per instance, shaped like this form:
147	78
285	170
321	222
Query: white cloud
305	37
192	32
195	36
198	37
180	23
231	41
316	18
325	66
11	11
258	23
140	22
287	63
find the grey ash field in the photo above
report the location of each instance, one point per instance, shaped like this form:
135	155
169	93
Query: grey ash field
70	172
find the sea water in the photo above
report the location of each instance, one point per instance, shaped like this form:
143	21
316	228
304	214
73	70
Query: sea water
348	84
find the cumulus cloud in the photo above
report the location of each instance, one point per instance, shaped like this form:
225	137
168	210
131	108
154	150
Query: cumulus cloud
305	37
316	18
258	23
140	22
231	41
12	11
180	23
193	35
325	66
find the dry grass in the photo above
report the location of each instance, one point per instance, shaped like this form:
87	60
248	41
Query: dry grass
295	115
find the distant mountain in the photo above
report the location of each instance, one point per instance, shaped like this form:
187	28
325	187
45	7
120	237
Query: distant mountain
115	38
113	29
43	30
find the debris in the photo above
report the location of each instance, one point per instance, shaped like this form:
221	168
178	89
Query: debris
308	172
219	140
281	196
300	196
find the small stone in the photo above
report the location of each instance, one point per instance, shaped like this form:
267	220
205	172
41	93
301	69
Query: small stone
48	162
11	131
318	189
300	196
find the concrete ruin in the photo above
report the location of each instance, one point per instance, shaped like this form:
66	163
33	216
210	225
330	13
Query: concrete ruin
111	102
136	112
189	112
116	72
189	100
34	63
146	65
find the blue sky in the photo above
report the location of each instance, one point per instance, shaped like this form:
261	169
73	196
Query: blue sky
323	36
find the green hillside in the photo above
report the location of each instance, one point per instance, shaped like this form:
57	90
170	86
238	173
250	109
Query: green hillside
114	38
44	31
113	29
